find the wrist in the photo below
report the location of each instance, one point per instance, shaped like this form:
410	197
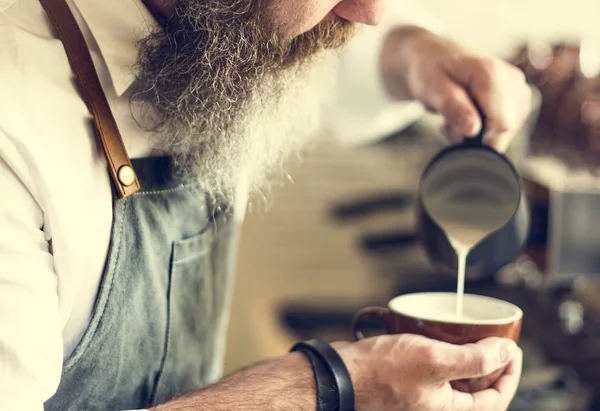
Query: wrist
356	368
396	55
300	386
360	368
333	382
281	384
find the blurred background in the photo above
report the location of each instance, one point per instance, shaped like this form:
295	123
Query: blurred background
341	235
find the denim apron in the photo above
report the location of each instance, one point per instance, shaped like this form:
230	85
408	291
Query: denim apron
159	324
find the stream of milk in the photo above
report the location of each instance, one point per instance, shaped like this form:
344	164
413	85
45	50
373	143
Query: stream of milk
463	238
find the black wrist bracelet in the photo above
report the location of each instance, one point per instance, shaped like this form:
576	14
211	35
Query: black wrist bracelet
327	392
335	365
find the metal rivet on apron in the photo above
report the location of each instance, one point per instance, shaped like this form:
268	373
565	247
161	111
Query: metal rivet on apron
126	175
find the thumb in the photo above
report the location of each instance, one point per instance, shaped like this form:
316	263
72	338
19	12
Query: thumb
481	358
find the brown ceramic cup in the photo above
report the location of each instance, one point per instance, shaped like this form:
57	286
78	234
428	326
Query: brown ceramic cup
433	315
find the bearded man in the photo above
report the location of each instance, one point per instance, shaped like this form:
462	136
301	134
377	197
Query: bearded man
115	285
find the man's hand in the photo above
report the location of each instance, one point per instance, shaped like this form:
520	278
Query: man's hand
417	64
413	373
389	373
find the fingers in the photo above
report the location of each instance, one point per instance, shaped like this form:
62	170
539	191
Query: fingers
477	360
498	397
488	400
508	383
446	97
480	78
500	90
516	115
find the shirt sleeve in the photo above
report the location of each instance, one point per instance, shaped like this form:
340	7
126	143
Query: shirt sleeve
30	333
362	111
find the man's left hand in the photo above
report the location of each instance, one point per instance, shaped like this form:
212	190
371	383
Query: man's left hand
417	64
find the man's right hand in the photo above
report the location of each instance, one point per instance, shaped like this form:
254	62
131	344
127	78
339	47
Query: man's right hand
410	372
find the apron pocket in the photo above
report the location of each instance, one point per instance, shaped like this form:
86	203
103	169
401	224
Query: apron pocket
190	248
191	318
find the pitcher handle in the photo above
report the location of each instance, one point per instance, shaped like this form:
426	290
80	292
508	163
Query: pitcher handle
477	140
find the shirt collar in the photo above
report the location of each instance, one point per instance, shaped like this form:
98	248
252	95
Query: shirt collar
117	26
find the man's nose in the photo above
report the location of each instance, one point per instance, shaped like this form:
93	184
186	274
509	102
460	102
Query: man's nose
367	12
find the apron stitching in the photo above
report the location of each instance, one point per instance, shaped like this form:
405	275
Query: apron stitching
98	316
167	342
205	251
170	190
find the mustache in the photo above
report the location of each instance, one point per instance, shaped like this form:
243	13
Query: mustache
331	35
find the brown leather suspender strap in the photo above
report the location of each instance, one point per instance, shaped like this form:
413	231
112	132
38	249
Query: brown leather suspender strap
81	62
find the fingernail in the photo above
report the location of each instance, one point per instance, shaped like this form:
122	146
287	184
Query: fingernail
507	351
466	123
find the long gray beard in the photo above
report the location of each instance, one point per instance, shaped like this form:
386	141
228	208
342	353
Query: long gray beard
277	122
282	117
228	100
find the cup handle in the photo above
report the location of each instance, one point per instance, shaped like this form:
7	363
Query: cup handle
380	313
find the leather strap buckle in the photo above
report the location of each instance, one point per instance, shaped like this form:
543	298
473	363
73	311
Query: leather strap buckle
119	163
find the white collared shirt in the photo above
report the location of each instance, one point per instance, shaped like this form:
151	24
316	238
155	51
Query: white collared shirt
55	195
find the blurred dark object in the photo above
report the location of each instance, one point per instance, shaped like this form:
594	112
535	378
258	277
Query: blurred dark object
565	226
539	230
387	241
568	77
365	206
